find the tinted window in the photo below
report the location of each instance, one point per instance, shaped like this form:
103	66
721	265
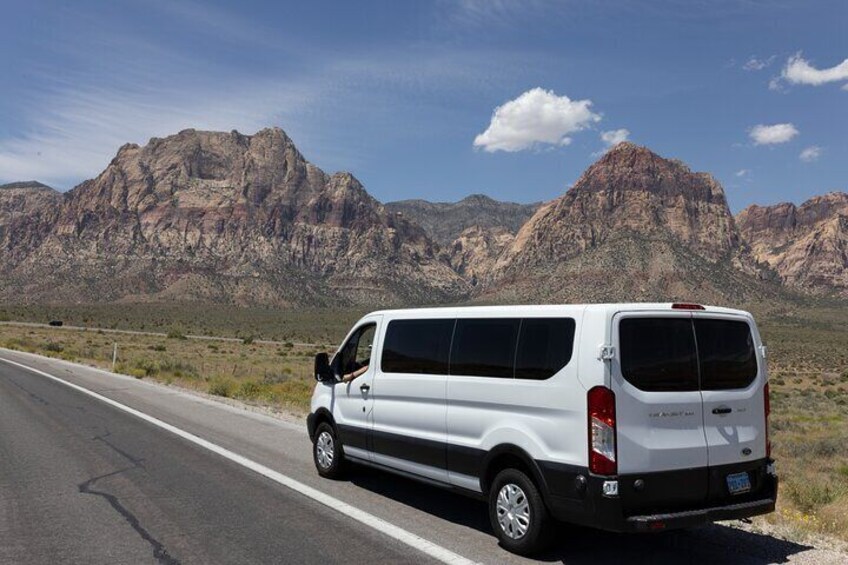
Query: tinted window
658	354
484	348
726	352
544	347
417	346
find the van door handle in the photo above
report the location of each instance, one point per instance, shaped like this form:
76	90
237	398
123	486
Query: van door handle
364	387
722	410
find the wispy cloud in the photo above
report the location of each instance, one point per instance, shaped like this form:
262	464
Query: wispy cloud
810	154
612	138
494	13
742	173
755	64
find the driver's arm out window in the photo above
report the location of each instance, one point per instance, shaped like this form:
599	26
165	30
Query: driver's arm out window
356	353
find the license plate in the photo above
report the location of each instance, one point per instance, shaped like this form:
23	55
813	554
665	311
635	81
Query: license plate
737	483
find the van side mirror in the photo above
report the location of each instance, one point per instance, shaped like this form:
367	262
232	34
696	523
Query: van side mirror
322	368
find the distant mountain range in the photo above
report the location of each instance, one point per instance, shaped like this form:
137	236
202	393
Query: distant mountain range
226	217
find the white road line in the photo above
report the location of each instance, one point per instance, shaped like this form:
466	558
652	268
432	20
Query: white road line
433	550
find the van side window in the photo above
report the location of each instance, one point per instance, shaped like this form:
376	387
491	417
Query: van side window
726	352
658	354
484	347
356	353
544	347
417	346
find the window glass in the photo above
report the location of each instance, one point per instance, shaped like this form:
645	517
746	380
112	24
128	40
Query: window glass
356	352
544	347
417	346
726	352
658	354
484	347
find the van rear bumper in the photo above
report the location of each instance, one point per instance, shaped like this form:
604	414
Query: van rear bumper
687	519
666	502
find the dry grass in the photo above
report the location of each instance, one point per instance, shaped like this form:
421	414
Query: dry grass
275	376
808	362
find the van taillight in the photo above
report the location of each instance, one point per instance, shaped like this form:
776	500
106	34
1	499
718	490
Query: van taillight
602	452
767	410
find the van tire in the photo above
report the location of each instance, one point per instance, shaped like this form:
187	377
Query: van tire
327	452
526	532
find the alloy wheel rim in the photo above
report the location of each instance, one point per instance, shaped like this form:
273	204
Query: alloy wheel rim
513	511
324	450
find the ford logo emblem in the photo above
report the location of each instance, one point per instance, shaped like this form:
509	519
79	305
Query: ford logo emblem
746	451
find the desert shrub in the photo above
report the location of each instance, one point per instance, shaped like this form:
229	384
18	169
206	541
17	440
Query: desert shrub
809	494
157	347
176	334
54	347
178	368
147	366
222	387
249	390
248	340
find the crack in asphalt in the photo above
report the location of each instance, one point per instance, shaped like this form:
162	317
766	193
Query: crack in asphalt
30	393
160	553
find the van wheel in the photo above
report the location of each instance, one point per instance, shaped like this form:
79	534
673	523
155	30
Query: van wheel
327	452
518	514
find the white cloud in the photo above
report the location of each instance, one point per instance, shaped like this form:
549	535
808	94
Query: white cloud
536	117
810	154
742	172
773	134
755	64
799	71
614	137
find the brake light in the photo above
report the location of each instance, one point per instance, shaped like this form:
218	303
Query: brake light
602	450
767	411
686	306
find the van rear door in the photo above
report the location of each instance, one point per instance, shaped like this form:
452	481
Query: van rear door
659	410
732	388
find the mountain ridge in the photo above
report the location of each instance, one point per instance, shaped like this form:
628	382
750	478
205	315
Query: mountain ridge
228	217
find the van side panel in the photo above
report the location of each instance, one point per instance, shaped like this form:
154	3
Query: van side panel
409	430
543	418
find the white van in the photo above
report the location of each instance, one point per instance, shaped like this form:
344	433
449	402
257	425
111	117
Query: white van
625	417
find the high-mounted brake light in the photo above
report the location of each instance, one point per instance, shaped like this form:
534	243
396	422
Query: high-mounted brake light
602	449
767	411
686	306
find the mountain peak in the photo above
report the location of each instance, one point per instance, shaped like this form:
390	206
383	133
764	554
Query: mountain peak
26	185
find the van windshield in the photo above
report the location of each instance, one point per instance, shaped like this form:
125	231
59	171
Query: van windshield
681	354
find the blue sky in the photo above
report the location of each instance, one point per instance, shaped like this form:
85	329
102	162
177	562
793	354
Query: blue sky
439	99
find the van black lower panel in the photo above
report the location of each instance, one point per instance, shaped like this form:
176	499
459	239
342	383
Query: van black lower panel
656	501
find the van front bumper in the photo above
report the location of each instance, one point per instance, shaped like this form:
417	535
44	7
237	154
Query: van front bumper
666	501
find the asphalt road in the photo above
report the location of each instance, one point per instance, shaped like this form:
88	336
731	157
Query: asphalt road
81	481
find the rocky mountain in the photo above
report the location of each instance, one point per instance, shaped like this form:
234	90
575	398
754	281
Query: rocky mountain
635	226
806	245
222	217
226	217
24	198
27	210
474	253
445	221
